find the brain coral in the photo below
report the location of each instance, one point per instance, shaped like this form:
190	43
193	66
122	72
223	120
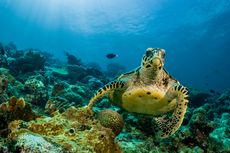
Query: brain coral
111	119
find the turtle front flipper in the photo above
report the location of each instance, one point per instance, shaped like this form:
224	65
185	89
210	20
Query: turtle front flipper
170	126
114	85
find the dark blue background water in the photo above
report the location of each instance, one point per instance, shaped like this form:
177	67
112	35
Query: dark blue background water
195	34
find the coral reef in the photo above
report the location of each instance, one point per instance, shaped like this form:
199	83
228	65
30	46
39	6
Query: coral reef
30	61
50	115
71	93
73	60
3	57
76	72
14	109
36	92
3	83
73	131
198	98
220	137
93	82
60	73
30	143
57	104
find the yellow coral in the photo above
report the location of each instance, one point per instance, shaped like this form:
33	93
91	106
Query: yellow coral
21	103
16	109
74	130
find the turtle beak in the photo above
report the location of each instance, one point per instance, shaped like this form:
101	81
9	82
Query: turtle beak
157	63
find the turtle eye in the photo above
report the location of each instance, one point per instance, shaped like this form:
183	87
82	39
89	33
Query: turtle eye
162	53
148	52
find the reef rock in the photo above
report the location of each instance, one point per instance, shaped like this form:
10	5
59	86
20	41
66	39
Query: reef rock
73	131
220	137
76	72
35	92
3	83
30	62
29	143
198	98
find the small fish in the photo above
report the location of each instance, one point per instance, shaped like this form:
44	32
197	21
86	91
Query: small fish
111	55
212	91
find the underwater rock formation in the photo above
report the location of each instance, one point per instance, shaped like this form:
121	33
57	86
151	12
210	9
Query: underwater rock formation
76	72
3	83
198	98
72	93
220	137
35	92
73	131
73	60
3	56
57	104
30	143
30	62
58	73
93	82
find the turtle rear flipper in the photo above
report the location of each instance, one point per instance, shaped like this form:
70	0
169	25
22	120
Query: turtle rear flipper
114	85
170	126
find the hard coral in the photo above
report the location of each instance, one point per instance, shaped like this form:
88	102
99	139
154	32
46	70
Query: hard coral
15	109
57	104
59	88
32	85
220	137
36	92
70	93
30	62
111	119
76	72
73	60
3	83
29	143
74	131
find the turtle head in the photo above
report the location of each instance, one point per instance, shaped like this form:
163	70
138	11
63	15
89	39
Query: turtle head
153	59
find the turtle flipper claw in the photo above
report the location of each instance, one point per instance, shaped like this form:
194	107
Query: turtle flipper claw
170	126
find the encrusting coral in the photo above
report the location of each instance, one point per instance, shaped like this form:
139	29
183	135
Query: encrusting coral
74	131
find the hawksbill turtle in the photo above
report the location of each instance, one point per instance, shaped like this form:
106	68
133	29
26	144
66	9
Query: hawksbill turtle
151	90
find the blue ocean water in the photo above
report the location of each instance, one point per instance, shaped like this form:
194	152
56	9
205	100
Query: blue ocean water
195	34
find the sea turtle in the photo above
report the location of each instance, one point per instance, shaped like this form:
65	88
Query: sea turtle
149	90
